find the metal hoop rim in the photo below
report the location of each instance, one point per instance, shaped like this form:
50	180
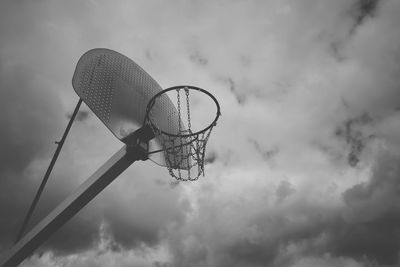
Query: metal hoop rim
179	87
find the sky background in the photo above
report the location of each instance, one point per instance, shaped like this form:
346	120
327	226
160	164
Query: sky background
303	167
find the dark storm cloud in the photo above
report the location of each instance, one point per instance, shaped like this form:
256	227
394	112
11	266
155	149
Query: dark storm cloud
302	232
26	117
377	241
262	240
29	119
131	224
128	234
362	10
351	131
284	190
77	235
374	215
365	229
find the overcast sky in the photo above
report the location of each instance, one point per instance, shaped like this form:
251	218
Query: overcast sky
303	167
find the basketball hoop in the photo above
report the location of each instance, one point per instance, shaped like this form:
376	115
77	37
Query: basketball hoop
160	124
183	147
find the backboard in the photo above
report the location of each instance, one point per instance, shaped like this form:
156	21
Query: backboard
118	90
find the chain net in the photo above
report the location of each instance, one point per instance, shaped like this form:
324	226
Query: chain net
184	151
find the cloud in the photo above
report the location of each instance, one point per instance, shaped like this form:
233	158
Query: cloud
372	212
364	9
284	190
306	223
327	261
103	254
310	106
355	138
248	228
29	121
197	58
295	179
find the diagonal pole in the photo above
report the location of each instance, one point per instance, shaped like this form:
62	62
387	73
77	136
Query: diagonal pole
47	174
110	170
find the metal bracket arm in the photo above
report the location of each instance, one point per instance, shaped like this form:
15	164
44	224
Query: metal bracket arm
70	206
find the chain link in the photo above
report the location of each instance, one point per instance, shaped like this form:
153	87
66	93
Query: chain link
188	110
179	110
183	153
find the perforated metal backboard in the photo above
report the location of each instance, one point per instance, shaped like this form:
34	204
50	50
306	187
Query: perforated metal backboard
117	90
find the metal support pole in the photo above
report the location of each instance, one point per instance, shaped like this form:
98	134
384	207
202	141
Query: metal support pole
47	174
120	161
